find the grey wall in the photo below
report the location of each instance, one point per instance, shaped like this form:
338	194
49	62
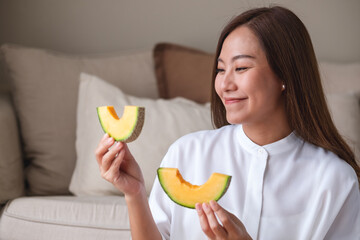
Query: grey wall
103	26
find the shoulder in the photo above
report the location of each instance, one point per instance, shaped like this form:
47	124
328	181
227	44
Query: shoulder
330	168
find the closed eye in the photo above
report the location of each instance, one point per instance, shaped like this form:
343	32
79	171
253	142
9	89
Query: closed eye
241	69
218	70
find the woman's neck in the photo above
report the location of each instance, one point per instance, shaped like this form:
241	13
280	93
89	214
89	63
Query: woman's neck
267	132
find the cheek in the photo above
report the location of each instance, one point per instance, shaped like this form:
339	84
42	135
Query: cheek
263	92
250	85
267	98
217	85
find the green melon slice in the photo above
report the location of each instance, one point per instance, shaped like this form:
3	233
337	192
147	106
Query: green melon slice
186	194
124	129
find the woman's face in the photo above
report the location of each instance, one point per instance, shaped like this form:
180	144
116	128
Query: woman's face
248	88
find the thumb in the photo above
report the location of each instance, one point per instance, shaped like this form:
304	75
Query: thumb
227	219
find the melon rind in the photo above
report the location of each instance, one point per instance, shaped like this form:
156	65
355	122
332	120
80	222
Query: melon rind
188	197
129	134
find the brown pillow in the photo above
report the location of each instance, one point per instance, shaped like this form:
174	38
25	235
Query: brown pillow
183	72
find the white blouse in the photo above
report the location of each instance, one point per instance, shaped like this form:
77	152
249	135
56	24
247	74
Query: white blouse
288	189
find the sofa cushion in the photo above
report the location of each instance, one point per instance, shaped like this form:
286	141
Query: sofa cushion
340	77
345	111
11	164
65	217
165	121
183	72
341	82
44	90
4	84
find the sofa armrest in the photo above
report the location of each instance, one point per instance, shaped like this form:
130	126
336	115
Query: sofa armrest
11	164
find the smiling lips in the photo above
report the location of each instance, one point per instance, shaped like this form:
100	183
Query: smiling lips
233	100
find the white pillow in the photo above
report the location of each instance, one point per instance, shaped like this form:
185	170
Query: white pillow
165	121
345	111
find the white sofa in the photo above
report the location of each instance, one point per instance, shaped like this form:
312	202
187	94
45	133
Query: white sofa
50	187
50	183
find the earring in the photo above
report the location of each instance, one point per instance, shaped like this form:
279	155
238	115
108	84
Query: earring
283	87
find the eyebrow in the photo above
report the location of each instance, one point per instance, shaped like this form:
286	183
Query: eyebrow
238	57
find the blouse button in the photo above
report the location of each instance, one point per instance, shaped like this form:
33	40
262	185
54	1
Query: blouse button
261	151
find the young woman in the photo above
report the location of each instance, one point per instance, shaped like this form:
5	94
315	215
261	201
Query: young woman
293	176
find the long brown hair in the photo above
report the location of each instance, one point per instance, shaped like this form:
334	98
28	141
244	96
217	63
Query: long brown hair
291	56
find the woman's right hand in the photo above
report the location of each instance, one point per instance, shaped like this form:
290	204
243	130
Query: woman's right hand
118	166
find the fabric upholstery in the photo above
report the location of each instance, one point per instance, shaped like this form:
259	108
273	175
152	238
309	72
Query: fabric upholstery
340	77
65	217
11	164
341	82
183	72
345	111
44	89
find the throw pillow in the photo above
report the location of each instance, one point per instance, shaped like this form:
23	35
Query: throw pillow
345	111
165	121
11	164
44	89
340	78
183	72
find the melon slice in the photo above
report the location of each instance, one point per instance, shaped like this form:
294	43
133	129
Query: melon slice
186	194
124	129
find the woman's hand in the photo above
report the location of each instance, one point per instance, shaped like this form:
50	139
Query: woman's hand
231	228
118	166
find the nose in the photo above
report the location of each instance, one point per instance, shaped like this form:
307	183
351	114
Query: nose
228	83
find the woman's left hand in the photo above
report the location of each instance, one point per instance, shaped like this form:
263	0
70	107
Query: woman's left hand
230	228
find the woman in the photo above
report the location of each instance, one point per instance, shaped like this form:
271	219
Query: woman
293	176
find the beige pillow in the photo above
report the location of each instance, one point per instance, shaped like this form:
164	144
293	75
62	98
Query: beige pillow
183	72
44	90
11	164
345	111
340	77
4	84
341	82
165	121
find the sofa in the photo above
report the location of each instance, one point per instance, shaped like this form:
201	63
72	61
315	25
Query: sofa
50	184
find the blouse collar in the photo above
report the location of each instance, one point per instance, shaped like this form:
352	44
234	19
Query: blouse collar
283	145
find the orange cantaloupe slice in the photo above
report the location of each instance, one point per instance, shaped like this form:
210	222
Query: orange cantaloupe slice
124	129
186	194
